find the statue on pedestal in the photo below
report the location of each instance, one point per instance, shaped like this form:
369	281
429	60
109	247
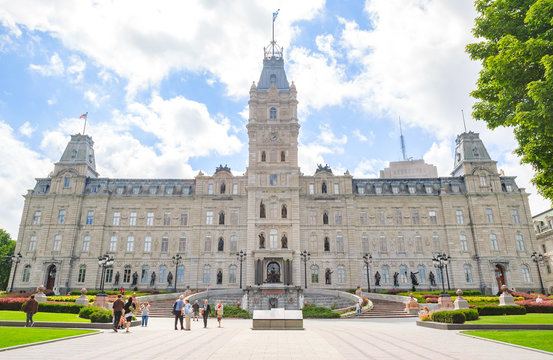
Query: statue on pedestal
153	278
116	282
134	278
284	242
432	279
170	278
377	279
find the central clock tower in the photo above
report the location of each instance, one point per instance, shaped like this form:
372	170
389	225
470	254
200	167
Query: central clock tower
273	176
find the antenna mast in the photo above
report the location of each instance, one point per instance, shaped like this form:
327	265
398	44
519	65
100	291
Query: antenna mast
464	123
402	141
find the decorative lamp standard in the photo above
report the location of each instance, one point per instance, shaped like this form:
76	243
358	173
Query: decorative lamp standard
367	259
537	258
305	256
440	261
17	260
447	270
240	256
104	262
177	261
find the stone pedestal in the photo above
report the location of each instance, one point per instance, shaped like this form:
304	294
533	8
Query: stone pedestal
505	298
412	306
39	296
445	302
460	302
82	300
277	319
101	300
267	296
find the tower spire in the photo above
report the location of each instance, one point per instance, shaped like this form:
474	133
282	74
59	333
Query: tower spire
402	141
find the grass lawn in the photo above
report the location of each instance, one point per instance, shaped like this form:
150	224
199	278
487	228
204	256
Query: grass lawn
537	339
41	316
19	336
515	319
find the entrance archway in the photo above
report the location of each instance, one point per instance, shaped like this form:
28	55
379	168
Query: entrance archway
273	272
499	275
51	277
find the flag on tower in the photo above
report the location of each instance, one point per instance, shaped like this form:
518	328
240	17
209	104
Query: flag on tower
84	116
275	14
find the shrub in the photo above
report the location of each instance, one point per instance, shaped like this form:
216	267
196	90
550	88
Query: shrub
100	316
11	303
87	310
311	311
235	312
59	308
488	310
470	314
533	307
449	317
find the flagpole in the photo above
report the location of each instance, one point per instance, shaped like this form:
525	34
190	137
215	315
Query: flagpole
84	128
273	43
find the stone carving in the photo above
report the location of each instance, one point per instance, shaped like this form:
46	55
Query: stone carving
325	168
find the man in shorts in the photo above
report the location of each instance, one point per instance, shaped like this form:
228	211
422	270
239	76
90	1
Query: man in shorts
196	309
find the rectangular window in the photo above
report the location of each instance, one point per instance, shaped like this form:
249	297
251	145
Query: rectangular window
493	242
82	274
86	243
515	216
209	218
150	219
418	244
210	189
520	242
401	244
166	218
313	216
132	219
482	181
113	243
381	217
57	243
363	218
336	189
116	218
234	189
365	243
36	217
67	182
207	243
164	244
415	217
432	217
109	275
273	179
338	217
395	190
339	243
460	217
182	244
311	189
398	218
234	217
463	243
89	217
120	190
169	190
130	243
32	243
489	216
383	244
273	210
147	244
436	242
61	216
184	218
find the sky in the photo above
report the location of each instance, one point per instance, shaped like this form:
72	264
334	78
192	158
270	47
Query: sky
166	85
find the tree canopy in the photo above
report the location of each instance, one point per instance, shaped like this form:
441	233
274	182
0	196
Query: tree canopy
515	87
7	247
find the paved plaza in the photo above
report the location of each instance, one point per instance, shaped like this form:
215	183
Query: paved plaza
321	339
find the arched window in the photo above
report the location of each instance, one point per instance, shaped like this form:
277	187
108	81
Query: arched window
82	274
26	273
221	245
232	274
468	273
283	156
341	276
385	274
162	274
219	276
273	112
325	218
403	274
323	188
144	274
526	273
273	239
206	277
222	188
314	274
421	274
180	274
284	211
222	218
327	244
263	156
234	243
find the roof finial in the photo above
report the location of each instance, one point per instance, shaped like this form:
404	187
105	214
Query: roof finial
402	141
274	51
464	123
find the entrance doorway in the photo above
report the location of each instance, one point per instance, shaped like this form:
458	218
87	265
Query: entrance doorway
499	275
51	278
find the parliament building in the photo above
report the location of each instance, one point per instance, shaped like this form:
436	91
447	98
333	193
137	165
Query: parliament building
273	213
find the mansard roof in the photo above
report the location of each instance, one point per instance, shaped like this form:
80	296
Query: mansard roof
273	72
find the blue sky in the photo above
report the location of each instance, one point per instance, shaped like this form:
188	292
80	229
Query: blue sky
166	85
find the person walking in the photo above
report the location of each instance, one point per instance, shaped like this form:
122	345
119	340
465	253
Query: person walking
145	313
129	308
117	311
31	308
187	313
205	312
219	311
196	308
178	308
358	309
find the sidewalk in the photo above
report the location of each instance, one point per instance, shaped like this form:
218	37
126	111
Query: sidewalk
321	339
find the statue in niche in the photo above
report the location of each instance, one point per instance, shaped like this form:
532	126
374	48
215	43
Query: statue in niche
323	188
284	241
328	279
134	278
261	241
414	280
284	212
221	218
325	218
170	278
273	276
432	279
116	278
153	278
261	210
377	279
219	277
396	279
223	188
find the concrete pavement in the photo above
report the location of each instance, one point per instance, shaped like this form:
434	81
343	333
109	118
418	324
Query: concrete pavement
321	339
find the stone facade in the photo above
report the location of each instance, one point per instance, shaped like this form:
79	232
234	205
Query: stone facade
273	212
543	224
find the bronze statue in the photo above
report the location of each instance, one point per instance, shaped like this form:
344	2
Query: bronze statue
432	279
153	278
284	212
261	241
284	241
223	188
396	280
170	278
221	218
219	277
377	279
116	278
134	278
328	280
414	280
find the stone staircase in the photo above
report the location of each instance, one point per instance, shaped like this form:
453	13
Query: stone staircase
162	308
384	309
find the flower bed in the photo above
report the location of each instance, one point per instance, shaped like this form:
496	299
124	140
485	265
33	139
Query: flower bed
533	307
68	298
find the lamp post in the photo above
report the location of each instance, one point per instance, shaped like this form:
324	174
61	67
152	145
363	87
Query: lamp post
447	271
538	258
440	261
176	260
305	256
17	260
240	256
367	259
104	262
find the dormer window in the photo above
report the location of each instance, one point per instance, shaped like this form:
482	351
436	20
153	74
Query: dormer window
120	190
169	190
273	79
429	189
153	190
67	182
395	189
136	190
412	189
273	113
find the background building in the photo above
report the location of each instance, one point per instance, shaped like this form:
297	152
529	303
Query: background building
543	224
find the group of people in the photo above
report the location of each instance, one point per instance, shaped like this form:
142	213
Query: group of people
123	312
183	310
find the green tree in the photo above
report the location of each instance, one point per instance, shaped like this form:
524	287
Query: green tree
7	248
515	87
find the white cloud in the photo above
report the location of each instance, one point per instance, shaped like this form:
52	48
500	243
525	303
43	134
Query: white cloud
369	168
26	129
53	68
440	155
76	68
368	138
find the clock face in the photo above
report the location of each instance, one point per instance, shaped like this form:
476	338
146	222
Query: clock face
273	137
